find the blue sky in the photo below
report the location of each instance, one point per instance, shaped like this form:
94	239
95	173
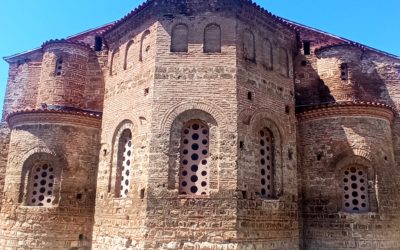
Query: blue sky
26	24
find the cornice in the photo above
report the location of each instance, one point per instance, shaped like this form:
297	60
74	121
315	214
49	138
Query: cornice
367	109
45	116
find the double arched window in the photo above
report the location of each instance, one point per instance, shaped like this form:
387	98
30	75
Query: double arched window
194	162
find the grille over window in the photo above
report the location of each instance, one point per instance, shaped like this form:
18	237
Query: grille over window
41	192
194	159
266	163
355	190
124	164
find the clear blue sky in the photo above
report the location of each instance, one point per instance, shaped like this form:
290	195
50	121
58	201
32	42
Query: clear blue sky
26	24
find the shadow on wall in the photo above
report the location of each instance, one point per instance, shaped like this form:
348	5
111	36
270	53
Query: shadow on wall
333	149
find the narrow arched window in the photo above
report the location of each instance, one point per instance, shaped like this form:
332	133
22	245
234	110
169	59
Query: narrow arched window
124	163
179	38
41	185
212	39
114	55
266	162
144	45
284	62
194	174
249	50
267	54
355	189
128	61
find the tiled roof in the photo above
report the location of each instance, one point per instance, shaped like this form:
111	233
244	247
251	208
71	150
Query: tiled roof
57	110
306	108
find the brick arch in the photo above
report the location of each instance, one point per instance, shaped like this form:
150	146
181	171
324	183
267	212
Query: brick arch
180	108
261	116
363	160
175	134
122	126
259	121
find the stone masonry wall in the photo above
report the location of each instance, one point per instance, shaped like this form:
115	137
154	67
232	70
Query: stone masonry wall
266	223
193	85
119	222
361	140
64	225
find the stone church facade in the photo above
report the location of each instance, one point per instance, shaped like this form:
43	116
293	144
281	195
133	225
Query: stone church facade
201	125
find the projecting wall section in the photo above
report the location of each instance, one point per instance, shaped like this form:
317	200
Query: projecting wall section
21	93
50	182
120	217
191	192
350	183
267	170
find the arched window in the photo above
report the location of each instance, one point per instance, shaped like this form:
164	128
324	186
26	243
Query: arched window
114	55
267	54
194	174
124	163
144	45
179	38
212	39
266	163
41	185
249	50
355	189
128	62
284	62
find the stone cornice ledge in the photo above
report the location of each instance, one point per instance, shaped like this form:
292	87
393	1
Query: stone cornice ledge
54	117
370	109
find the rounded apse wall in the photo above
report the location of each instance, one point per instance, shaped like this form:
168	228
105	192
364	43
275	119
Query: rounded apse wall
349	177
349	74
63	75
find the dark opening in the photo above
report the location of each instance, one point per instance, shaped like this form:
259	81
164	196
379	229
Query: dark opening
250	96
306	47
344	71
241	144
303	63
78	196
81	237
142	193
98	43
146	91
287	109
244	194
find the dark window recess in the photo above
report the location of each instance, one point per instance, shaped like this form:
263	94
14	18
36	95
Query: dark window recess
287	109
344	71
78	196
307	48
250	96
303	63
98	43
59	66
241	144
